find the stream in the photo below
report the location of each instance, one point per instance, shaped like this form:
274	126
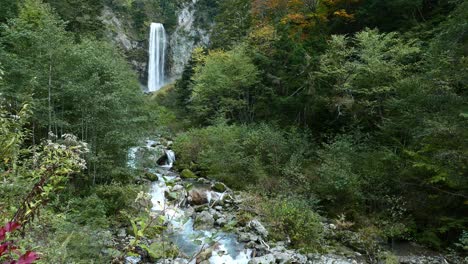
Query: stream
179	214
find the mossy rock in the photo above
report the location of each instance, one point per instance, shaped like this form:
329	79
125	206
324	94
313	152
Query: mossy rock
188	174
151	176
219	187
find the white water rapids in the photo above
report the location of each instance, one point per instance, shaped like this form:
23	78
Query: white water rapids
181	232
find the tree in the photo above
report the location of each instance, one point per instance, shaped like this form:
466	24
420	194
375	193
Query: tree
362	73
85	88
223	85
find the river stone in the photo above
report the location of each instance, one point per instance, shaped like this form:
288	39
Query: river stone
177	188
189	212
151	176
171	196
204	220
267	259
122	233
219	187
221	222
258	228
197	197
205	255
188	174
247	237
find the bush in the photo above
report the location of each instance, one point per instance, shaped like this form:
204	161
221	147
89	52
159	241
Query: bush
116	197
88	211
294	218
243	155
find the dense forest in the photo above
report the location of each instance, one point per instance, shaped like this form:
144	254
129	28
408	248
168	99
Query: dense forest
342	124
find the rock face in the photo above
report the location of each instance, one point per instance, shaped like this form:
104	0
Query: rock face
186	37
116	32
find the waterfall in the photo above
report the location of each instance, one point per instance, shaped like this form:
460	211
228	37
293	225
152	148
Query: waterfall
157	57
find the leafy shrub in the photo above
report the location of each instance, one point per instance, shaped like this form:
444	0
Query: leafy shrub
296	219
90	210
115	197
243	155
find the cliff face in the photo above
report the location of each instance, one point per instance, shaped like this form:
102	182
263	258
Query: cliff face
188	25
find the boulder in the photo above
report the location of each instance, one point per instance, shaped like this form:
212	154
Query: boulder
247	237
204	220
188	174
151	176
205	255
258	228
221	222
267	259
197	197
219	187
177	188
171	196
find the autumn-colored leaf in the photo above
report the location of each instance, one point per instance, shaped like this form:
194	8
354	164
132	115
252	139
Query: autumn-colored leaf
28	258
2	234
3	249
12	226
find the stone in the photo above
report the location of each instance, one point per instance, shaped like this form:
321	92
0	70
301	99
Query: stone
177	188
247	237
205	255
197	197
180	261
204	220
219	187
151	176
267	259
122	233
221	222
258	228
170	196
189	212
282	258
188	174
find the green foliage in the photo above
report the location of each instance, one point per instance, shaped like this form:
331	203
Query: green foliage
231	27
89	211
223	84
82	16
294	218
12	136
9	10
85	88
336	178
116	197
243	155
364	73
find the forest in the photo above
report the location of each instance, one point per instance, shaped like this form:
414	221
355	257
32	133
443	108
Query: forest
338	127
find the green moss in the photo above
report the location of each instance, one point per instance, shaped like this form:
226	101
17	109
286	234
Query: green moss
151	176
219	187
188	174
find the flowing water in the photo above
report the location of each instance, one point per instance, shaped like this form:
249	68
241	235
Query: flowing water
157	57
181	231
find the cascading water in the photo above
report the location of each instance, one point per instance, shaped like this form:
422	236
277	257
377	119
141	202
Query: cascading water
157	57
194	235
